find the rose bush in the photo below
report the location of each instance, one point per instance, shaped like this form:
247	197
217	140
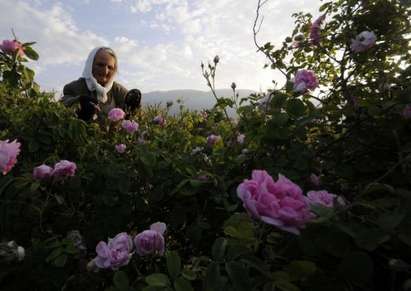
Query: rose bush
225	230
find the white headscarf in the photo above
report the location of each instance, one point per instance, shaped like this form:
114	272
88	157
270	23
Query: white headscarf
91	82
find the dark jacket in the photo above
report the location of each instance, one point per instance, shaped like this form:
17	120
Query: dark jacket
72	91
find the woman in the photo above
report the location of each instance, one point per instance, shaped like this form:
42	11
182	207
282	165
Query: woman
96	91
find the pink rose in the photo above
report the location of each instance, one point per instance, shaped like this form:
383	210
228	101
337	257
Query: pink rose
116	114
115	253
151	242
130	126
321	197
305	80
120	148
363	41
406	112
212	139
42	172
12	46
315	30
8	155
159	120
64	168
279	203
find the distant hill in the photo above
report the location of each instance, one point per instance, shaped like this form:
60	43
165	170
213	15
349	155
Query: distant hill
192	99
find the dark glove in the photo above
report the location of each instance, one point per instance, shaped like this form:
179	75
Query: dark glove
133	100
87	107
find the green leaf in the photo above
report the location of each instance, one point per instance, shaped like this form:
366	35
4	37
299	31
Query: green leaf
213	280
189	274
121	281
182	285
173	264
60	261
279	119
240	226
158	280
31	53
218	249
295	107
357	267
239	276
300	270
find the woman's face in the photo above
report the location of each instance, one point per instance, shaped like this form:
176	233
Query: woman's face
104	67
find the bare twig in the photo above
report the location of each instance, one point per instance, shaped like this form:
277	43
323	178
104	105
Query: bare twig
256	30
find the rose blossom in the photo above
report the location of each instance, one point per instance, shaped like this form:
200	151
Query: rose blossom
151	241
42	172
11	46
130	126
116	114
115	253
305	80
159	120
212	139
8	155
279	203
64	168
322	197
315	30
363	41
120	148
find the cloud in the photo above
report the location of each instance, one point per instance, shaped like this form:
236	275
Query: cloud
165	49
58	40
211	28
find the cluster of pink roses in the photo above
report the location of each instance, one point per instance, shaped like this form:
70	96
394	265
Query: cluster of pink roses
119	250
8	155
11	47
61	169
130	126
280	203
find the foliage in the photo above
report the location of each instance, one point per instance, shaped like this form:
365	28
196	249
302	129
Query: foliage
351	132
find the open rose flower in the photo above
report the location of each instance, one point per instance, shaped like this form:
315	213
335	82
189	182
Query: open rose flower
305	80
64	168
151	242
212	139
116	114
42	172
279	203
12	46
315	30
8	155
114	254
363	41
129	125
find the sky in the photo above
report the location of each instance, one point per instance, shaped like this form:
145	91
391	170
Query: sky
160	44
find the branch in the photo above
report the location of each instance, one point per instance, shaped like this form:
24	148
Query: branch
257	30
